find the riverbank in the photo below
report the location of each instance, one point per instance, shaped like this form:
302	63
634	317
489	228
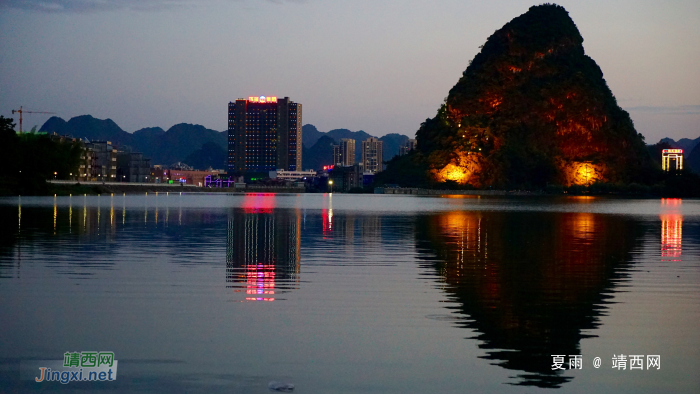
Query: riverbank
64	188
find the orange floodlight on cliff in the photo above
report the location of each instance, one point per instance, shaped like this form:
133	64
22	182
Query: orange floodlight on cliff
669	155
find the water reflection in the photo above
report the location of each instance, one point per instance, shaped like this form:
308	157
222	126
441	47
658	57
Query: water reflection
671	229
262	248
529	285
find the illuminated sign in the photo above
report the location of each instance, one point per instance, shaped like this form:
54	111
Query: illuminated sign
672	154
262	99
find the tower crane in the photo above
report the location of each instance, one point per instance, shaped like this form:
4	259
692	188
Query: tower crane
21	111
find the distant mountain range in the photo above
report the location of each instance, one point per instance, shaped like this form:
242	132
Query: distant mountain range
200	147
162	147
311	138
684	143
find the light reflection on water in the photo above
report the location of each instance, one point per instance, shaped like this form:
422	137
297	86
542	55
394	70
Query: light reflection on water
353	279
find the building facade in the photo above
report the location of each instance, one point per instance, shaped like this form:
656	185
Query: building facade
346	178
372	155
264	134
133	167
407	147
344	153
98	162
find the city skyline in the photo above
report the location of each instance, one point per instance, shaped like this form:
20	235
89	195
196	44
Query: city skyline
155	63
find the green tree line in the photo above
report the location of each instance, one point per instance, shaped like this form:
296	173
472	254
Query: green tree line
27	160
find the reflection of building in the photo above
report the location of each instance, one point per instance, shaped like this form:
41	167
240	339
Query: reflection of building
372	155
344	153
264	134
262	251
370	228
672	159
529	284
671	229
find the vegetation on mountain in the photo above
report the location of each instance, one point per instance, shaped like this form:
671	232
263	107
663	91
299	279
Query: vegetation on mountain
210	155
27	160
532	109
319	155
692	159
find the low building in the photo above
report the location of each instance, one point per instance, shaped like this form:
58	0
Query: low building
292	175
189	177
346	178
87	170
98	162
133	167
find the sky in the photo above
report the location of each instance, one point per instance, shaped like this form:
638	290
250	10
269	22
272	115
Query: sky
382	66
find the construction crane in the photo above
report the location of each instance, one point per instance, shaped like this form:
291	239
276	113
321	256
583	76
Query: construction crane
21	111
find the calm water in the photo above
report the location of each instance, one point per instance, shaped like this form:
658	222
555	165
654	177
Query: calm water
352	293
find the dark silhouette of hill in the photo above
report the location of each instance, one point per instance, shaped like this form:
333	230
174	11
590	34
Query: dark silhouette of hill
391	146
85	126
309	135
358	136
692	160
178	142
533	109
162	147
183	140
319	155
209	155
684	143
656	150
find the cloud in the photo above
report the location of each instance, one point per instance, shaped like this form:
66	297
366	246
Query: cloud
670	110
87	6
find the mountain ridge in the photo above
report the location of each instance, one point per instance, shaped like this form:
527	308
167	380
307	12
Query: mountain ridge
532	109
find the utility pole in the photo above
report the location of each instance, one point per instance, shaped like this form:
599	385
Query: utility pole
21	111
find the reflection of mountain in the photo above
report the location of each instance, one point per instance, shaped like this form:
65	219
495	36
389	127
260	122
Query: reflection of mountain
262	251
531	283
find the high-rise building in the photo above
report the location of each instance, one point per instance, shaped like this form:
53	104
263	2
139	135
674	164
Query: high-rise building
407	147
264	134
344	153
372	155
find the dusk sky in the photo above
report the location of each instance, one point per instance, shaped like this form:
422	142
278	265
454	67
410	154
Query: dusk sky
372	65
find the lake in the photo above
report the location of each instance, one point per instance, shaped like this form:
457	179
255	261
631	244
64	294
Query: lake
339	293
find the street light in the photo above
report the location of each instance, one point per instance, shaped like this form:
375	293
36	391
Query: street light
55	174
331	183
